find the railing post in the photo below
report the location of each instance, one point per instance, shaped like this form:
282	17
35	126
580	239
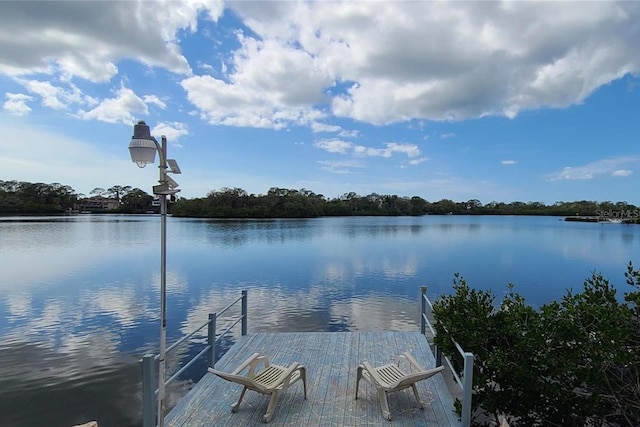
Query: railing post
438	356
244	313
211	340
467	391
148	391
423	326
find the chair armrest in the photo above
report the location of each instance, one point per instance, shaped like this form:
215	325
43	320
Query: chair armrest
250	362
413	362
239	379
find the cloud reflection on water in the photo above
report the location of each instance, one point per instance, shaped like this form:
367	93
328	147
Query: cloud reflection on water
75	318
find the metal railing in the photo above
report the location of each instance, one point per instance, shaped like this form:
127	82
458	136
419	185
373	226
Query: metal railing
466	382
149	361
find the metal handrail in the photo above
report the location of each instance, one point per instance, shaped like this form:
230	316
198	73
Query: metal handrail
229	328
186	337
231	304
148	362
466	382
191	362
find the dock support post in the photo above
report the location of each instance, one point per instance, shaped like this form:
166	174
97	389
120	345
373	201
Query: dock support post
467	391
244	313
148	391
423	323
211	340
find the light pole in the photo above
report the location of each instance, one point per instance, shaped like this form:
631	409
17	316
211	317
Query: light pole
143	149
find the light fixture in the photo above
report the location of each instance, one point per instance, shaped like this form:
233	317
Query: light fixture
143	146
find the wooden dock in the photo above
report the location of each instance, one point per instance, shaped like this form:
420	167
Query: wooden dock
331	359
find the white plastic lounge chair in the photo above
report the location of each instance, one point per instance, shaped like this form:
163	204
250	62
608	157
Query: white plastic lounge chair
271	380
389	378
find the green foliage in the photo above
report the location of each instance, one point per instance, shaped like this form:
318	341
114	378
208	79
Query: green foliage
290	203
37	198
135	200
573	362
25	197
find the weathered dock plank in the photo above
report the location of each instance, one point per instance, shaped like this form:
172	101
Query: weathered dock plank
331	359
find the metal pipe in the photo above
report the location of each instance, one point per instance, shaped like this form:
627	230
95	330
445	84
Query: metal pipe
244	313
423	306
467	391
186	337
163	283
148	390
211	340
230	305
191	362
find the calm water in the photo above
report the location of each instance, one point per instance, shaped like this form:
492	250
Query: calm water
79	295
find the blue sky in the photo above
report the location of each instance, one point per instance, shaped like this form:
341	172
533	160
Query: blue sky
497	101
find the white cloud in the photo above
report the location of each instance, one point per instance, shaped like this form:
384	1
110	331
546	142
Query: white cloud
447	135
509	162
345	147
271	85
418	161
473	59
340	166
376	62
621	172
594	169
154	100
323	127
334	145
16	103
88	39
119	109
410	150
391	147
173	131
57	97
349	134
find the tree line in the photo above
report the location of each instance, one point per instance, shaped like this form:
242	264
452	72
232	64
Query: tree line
573	362
303	203
39	198
18	197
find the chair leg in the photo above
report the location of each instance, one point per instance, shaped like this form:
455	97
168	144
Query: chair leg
382	397
234	407
272	406
415	393
303	377
359	376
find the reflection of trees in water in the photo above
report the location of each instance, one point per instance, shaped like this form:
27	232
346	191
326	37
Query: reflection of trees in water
236	233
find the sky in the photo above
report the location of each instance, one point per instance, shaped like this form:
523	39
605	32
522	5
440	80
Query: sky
488	100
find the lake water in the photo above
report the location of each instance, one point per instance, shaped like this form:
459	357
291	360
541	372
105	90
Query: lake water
79	295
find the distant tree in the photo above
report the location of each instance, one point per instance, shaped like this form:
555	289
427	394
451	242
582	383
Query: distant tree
117	191
98	191
136	200
473	206
27	197
446	206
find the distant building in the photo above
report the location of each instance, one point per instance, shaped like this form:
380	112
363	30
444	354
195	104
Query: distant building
98	203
